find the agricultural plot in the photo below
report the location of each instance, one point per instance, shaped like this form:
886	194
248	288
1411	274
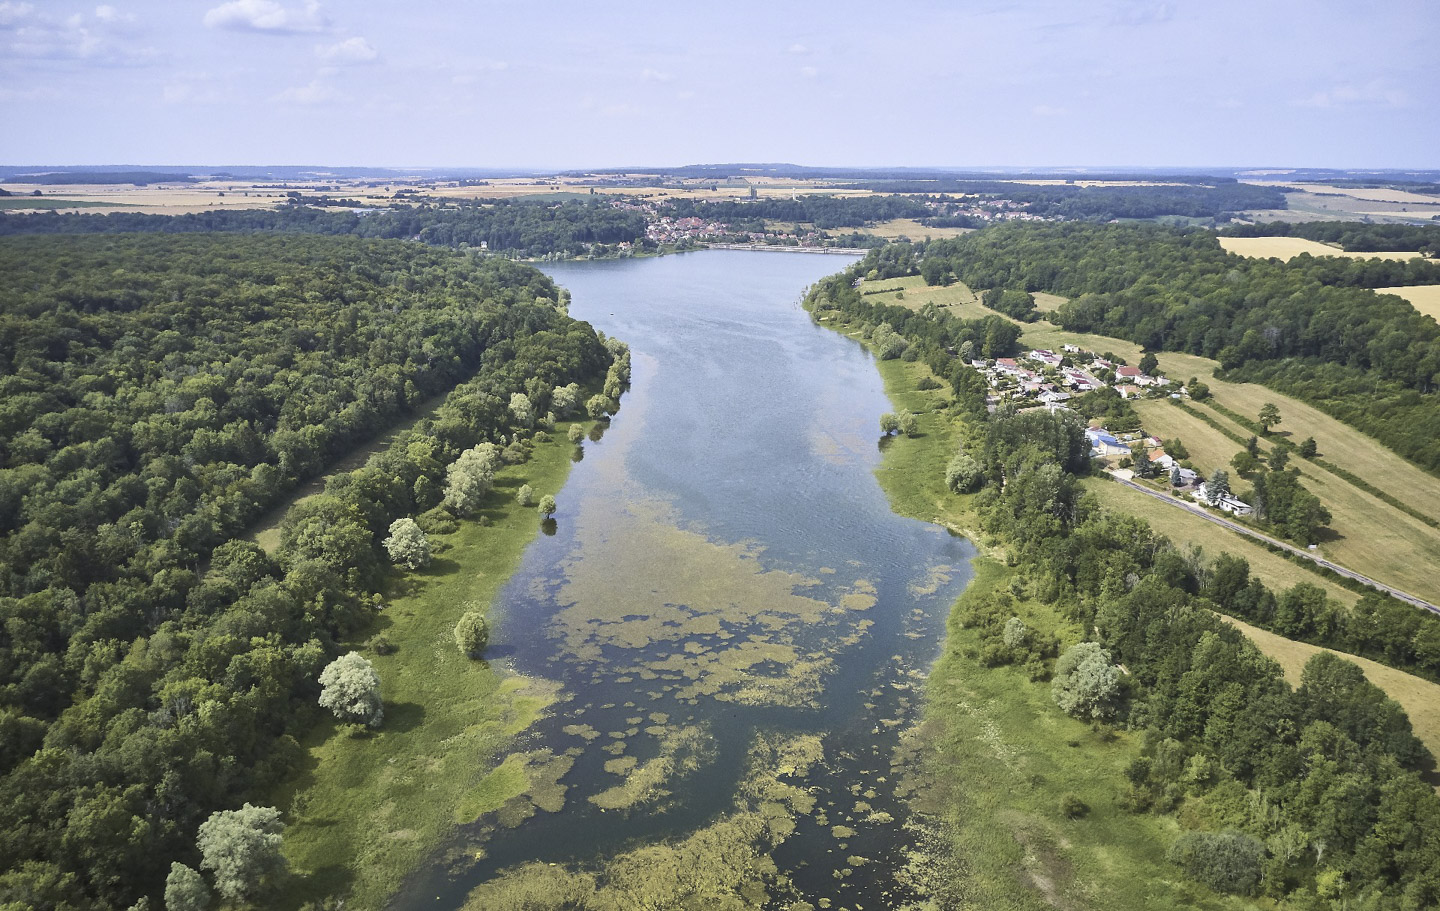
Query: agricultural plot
909	227
1289	247
1186	529
1425	298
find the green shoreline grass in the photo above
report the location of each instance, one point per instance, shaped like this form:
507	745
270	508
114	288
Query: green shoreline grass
367	808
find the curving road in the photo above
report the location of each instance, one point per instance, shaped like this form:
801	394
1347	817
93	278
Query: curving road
1241	529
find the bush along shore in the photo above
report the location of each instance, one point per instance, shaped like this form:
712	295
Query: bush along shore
1095	735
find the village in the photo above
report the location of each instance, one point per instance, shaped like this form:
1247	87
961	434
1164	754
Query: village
1042	378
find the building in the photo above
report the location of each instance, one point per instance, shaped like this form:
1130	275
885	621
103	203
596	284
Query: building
1102	443
1228	502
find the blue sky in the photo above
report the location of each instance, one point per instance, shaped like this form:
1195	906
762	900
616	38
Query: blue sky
1315	83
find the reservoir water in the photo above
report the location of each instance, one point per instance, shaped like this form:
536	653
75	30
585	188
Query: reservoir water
736	625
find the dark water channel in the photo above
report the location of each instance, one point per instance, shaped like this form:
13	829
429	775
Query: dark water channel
726	585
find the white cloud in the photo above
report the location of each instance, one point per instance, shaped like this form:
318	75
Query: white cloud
266	16
809	72
1372	94
196	89
11	14
100	38
316	92
650	75
351	50
798	49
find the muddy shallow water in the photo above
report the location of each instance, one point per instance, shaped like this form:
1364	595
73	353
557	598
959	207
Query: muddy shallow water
737	621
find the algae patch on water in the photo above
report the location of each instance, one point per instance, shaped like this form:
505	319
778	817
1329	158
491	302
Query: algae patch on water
517	787
682	751
724	865
643	597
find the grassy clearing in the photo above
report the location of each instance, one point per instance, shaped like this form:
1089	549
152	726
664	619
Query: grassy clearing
1369	535
1425	298
1046	302
367	808
909	227
1289	247
956	297
1419	698
1187	529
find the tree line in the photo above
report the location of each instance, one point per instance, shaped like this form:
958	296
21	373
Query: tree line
159	393
527	228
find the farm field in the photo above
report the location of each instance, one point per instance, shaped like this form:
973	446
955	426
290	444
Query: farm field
1418	697
1186	529
1370	536
909	227
1425	298
956	297
1289	247
1046	302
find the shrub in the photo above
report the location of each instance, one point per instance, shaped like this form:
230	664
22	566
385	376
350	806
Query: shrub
1226	862
472	634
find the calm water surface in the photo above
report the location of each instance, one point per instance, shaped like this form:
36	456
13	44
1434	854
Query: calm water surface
724	574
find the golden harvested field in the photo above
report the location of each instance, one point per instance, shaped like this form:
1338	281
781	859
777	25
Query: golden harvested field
1372	194
1418	697
1289	247
1185	529
909	227
160	199
1425	298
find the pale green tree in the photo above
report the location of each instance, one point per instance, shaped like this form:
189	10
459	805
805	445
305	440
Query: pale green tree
470	477
1269	416
547	506
907	423
472	633
1086	684
1014	634
963	474
522	410
565	399
576	433
597	406
241	849
407	545
889	423
351	689
186	890
525	496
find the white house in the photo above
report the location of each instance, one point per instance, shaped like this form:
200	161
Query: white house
1228	502
1046	356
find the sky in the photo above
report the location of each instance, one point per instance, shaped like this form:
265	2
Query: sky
558	84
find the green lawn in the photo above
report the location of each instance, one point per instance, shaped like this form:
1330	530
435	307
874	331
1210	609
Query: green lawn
369	807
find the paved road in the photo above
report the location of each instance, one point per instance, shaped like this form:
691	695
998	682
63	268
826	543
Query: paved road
1241	529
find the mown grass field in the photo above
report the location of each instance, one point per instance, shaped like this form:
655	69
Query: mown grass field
1187	529
1289	247
368	807
909	227
1425	298
1419	698
1370	536
955	297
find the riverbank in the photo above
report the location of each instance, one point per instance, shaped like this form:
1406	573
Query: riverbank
369	807
993	759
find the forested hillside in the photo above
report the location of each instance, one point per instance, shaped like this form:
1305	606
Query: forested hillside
528	228
1311	328
1312	795
156	394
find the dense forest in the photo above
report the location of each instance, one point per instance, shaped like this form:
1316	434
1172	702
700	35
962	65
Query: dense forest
1301	327
1216	198
158	394
1350	235
1312	794
824	212
525	228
